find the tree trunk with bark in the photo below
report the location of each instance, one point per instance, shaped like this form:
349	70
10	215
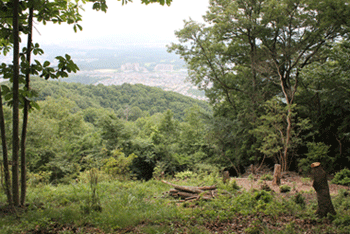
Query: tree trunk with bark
15	105
25	111
320	184
5	154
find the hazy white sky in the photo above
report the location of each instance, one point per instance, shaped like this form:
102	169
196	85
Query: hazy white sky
134	23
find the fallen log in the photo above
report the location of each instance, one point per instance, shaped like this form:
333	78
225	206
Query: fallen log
185	195
190	193
185	188
173	191
213	187
191	198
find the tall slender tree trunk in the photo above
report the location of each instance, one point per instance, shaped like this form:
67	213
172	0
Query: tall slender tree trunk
5	153
288	137
284	158
15	140
288	93
25	111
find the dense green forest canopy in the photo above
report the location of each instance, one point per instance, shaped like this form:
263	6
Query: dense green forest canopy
276	73
128	101
120	129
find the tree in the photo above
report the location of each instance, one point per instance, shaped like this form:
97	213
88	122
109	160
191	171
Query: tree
270	131
324	97
5	153
113	131
257	49
58	139
42	11
21	67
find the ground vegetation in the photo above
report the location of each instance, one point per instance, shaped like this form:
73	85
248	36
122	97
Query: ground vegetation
97	202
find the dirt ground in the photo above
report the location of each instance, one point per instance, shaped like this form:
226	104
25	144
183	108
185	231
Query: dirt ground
292	179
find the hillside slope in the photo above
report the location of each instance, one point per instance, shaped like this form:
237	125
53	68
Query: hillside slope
148	99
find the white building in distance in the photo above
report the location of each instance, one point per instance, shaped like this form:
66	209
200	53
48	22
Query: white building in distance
164	67
132	67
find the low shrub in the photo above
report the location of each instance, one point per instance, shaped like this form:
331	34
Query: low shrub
42	177
266	177
342	220
203	169
118	165
299	199
342	177
265	186
263	195
185	175
343	193
285	188
233	184
102	176
305	180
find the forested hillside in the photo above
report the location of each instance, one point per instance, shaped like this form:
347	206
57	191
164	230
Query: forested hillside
129	130
128	101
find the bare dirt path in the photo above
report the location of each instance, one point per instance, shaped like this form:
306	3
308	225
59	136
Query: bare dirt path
296	182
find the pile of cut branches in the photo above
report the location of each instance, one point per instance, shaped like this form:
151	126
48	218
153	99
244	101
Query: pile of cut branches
189	193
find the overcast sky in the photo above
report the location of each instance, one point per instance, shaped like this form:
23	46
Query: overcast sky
134	23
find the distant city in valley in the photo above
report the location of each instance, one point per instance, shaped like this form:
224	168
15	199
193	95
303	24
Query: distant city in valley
134	65
151	66
163	76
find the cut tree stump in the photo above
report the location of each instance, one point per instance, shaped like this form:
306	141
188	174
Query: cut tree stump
252	169
277	175
320	184
226	177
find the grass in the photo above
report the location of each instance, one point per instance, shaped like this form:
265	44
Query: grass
140	207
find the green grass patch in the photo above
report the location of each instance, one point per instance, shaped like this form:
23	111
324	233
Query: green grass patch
142	207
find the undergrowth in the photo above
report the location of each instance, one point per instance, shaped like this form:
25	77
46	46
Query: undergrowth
141	207
342	177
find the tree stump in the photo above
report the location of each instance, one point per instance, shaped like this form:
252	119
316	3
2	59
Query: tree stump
252	169
277	175
226	177
320	184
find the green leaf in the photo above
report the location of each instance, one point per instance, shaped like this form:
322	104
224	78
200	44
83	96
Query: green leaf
46	64
35	105
96	6
5	89
8	96
161	2
60	58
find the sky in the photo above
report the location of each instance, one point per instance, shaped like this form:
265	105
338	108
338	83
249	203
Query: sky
131	24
